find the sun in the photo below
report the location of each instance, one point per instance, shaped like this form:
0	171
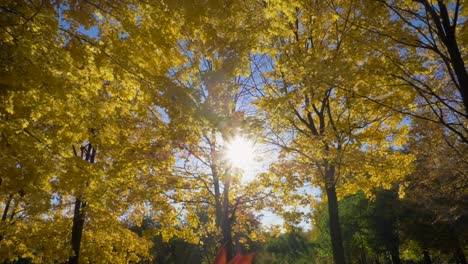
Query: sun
240	152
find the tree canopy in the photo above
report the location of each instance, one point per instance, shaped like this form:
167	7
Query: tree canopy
118	117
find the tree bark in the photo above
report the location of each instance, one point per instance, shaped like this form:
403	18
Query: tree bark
227	225
217	192
7	207
77	230
450	41
458	66
335	229
363	255
394	247
227	238
88	153
5	211
446	33
219	209
395	254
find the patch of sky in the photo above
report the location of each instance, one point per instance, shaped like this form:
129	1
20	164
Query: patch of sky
123	35
64	24
270	219
92	32
405	122
55	199
159	113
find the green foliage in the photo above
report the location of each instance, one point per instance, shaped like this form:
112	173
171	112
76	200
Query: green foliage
372	229
291	247
174	251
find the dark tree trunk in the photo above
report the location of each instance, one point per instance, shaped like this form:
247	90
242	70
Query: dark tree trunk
77	230
227	238
450	41
5	211
395	254
427	257
459	68
335	230
215	174
363	256
217	192
227	225
7	207
446	33
219	209
88	153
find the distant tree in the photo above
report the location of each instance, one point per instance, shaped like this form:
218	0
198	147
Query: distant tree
384	220
174	251
435	193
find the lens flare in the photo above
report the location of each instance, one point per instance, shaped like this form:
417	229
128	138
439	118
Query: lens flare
240	152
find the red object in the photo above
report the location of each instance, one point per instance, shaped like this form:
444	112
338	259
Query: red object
242	259
238	259
222	255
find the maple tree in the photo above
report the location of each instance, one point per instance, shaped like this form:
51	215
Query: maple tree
443	178
214	182
44	117
114	114
432	34
215	77
328	135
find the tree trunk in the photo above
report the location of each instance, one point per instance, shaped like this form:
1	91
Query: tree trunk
7	207
395	254
227	238
217	193
227	225
335	229
219	209
215	174
446	33
363	255
459	68
77	230
88	153
5	211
